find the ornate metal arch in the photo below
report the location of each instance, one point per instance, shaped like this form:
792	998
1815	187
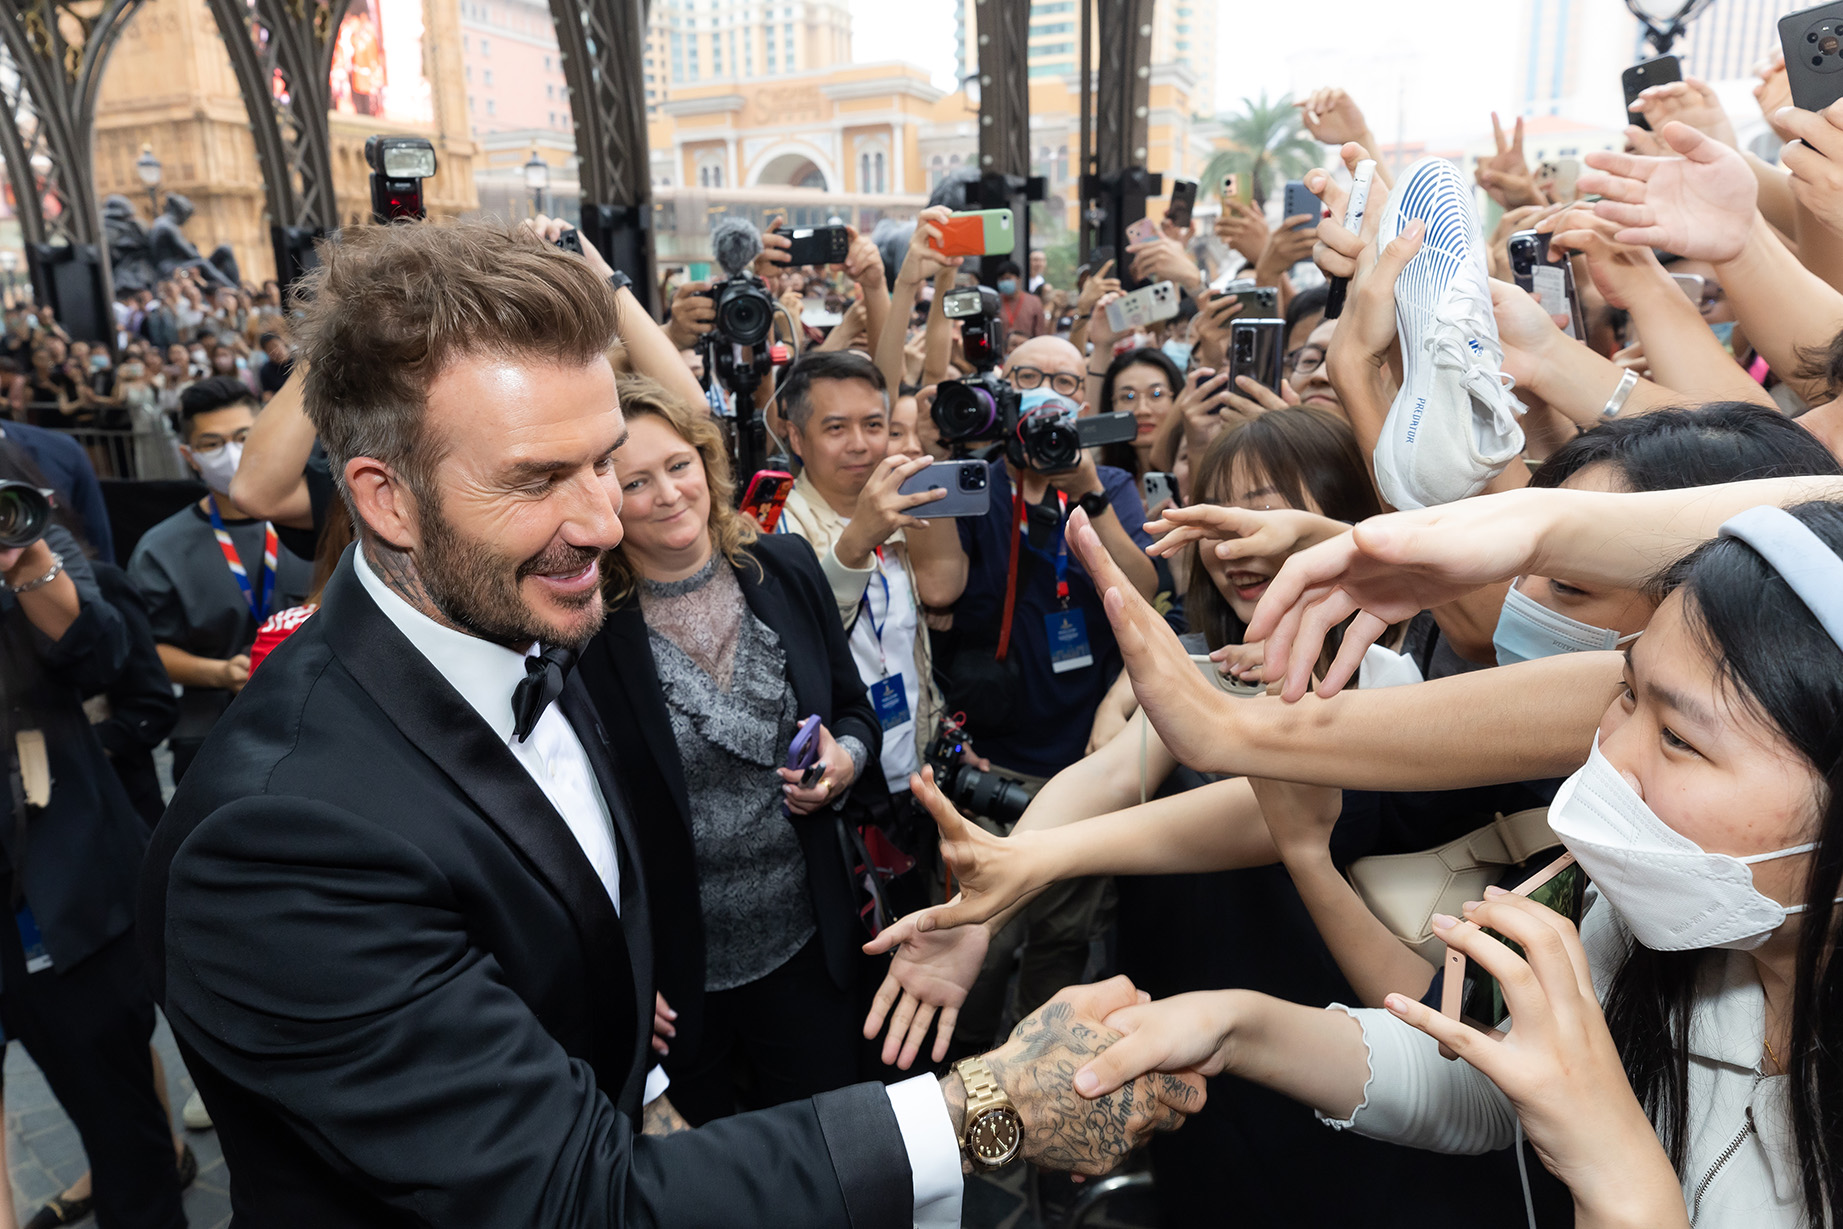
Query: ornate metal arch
1004	86
1123	91
282	54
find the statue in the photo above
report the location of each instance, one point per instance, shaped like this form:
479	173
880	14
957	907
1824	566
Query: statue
171	250
129	259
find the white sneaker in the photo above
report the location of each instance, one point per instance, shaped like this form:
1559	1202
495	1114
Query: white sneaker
195	1115
1453	426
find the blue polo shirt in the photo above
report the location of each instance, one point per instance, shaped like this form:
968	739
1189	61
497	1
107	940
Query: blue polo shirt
1058	708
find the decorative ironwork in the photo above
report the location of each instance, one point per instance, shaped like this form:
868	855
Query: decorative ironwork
1004	86
282	54
1663	32
602	43
52	55
1123	92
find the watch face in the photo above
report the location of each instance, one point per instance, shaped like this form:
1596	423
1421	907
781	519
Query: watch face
995	1136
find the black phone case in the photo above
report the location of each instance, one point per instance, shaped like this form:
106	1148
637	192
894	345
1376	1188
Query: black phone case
1183	200
1813	43
1255	350
1641	77
1527	249
1299	199
827	245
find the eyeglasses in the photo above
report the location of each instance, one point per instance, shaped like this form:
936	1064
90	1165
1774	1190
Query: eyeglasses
212	445
1026	378
1305	360
1158	392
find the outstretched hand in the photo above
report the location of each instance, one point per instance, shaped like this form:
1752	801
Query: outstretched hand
931	972
1699	206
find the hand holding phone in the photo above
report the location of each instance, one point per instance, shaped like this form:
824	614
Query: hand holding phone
803	755
1473	995
1641	77
983	232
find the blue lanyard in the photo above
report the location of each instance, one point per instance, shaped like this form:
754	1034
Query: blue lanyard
1062	552
259	610
876	628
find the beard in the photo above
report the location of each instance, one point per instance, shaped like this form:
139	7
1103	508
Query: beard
478	589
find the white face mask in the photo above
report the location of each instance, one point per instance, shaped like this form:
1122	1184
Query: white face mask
218	468
1526	629
1675	895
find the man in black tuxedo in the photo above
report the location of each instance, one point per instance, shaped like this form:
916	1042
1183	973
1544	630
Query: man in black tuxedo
398	911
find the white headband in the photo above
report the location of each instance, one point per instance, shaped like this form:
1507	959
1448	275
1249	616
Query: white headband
1811	568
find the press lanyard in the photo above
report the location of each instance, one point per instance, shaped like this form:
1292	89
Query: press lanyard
260	610
876	628
1017	545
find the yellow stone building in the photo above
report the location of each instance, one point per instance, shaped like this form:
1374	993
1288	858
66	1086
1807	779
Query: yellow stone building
169	86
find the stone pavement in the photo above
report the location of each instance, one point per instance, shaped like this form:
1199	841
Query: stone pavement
44	1156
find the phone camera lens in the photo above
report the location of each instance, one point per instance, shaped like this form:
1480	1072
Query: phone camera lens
1818	60
1828	44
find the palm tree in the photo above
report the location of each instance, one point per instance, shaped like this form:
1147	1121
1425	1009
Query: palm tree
1269	146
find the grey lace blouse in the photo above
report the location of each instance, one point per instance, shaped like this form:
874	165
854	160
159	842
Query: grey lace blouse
733	714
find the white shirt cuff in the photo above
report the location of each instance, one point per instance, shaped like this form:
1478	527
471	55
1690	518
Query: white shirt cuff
934	1153
657	1081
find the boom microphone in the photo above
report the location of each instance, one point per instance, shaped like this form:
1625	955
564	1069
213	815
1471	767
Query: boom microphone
734	244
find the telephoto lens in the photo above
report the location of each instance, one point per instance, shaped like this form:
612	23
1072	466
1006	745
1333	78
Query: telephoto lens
971	409
24	512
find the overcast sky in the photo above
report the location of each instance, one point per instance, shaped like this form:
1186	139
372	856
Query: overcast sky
1442	72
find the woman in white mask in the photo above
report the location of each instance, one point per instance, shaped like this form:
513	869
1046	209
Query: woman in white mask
1680	1060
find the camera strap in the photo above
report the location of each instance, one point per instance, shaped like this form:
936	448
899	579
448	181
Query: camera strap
1022	507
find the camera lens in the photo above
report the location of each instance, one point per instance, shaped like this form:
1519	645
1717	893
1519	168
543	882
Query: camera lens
965	411
972	480
744	312
1050	443
1828	44
24	513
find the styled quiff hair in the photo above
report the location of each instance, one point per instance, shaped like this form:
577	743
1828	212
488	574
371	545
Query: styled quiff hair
391	306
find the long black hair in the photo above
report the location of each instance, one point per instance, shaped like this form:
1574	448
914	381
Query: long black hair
1126	456
1668	450
1300	451
1776	658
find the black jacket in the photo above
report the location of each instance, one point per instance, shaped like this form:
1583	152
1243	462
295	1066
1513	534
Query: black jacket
789	593
82	851
142	707
405	994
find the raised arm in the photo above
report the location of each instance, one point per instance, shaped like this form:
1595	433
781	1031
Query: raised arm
270	481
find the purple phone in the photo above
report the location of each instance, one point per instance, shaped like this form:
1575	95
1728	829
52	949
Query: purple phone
803	753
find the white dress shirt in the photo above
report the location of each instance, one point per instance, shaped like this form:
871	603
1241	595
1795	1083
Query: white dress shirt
486	675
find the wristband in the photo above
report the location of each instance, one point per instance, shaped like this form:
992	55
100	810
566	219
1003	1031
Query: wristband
1616	402
620	281
57	566
1094	503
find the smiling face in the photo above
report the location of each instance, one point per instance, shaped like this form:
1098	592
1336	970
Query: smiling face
845	436
523	500
1243	581
1704	760
667	509
1145	392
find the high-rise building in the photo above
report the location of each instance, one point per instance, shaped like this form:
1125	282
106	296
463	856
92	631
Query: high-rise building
1568	54
1183	32
512	68
1731	36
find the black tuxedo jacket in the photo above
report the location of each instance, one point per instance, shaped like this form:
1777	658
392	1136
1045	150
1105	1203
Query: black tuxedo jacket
405	994
785	589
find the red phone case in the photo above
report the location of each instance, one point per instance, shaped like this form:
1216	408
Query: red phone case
766	496
962	235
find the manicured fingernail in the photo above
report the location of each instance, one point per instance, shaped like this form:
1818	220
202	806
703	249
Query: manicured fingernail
1443	921
1470	905
1396	1003
670	1014
1087	1083
1492	892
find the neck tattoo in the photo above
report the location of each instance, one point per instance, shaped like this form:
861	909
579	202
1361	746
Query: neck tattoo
397	569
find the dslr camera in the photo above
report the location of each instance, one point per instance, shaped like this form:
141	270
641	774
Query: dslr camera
1040	429
744	318
1000	799
25	510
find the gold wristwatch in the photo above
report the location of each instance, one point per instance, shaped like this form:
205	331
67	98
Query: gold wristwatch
993	1132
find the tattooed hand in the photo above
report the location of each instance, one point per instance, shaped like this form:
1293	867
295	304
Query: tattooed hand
1062	1129
661	1117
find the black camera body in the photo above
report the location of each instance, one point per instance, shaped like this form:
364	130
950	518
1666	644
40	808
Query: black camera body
744	319
999	798
25	510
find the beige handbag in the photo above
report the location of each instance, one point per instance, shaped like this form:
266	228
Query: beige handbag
1405	890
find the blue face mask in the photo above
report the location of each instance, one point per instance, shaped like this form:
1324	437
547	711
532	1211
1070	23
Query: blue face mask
1179	353
1526	630
1007	285
1047	401
1724	333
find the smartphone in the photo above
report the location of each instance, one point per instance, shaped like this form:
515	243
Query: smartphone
1157	488
1813	43
803	753
1691	284
819	245
1183	200
1238	187
1554	281
965	483
981	232
1226	682
1148	305
1256	300
570	240
1142	230
1558	178
1256	350
766	496
1119	427
1299	199
1665	68
1473	995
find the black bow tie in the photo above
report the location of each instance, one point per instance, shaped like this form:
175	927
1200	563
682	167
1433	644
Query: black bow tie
543	683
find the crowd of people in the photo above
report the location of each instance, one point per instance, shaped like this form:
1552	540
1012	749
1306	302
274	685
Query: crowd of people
1432	754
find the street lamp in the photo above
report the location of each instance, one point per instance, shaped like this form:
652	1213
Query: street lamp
537	179
148	168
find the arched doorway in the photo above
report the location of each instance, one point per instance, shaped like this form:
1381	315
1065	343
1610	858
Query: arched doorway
793	170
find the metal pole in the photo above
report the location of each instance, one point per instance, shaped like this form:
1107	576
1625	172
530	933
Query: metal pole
1085	165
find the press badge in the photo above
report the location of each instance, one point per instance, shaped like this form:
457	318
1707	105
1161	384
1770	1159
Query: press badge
37	958
1068	641
892	701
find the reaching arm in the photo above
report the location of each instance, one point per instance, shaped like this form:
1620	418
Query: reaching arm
650	352
270	481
